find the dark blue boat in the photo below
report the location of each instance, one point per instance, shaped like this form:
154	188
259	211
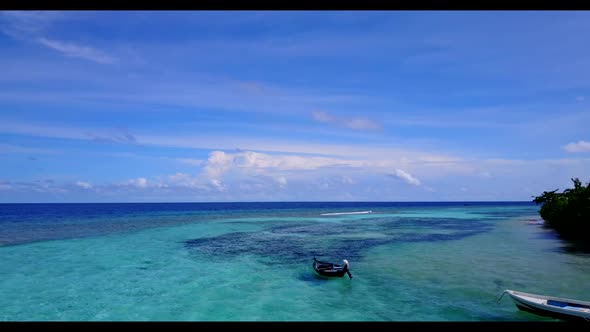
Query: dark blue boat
326	269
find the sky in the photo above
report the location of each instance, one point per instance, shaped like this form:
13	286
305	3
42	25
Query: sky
215	106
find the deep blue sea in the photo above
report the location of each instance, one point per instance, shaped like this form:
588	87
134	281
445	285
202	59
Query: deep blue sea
252	261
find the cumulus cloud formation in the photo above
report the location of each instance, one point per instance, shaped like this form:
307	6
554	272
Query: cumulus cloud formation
220	162
407	177
580	146
222	171
352	123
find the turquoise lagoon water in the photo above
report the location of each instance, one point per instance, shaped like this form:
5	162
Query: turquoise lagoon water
252	262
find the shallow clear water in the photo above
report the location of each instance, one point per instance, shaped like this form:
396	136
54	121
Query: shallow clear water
252	262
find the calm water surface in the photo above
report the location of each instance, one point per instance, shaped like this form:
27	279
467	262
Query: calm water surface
252	262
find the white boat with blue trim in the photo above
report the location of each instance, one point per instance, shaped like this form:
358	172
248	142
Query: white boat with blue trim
549	306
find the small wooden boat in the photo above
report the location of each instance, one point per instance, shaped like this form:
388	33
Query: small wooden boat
326	269
550	306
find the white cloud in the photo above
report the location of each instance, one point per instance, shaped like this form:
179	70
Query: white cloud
220	162
376	156
242	184
179	177
352	123
406	177
217	185
77	51
32	25
183	180
580	146
84	185
139	182
282	181
346	180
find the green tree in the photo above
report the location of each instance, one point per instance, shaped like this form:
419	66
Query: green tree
568	213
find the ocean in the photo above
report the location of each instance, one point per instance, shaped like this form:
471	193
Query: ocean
253	261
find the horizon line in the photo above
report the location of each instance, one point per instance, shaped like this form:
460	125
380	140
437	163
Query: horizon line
230	202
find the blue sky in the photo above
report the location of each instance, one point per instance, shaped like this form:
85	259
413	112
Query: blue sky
292	106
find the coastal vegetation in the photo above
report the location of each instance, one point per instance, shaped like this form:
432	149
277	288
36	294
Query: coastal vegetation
568	212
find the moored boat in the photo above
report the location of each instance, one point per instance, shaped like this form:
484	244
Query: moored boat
326	269
549	306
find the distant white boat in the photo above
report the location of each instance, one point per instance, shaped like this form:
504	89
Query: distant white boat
549	306
342	213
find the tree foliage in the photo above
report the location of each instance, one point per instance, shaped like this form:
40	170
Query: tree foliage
568	213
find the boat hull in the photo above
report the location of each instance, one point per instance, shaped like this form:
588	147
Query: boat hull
337	274
328	270
541	305
548	313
